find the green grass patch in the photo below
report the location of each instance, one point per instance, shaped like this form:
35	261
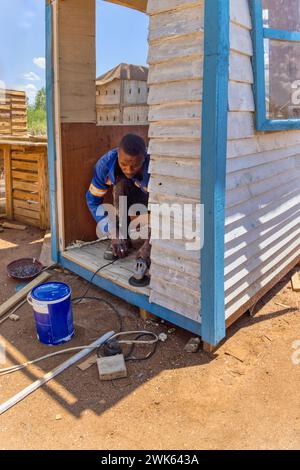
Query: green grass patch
36	119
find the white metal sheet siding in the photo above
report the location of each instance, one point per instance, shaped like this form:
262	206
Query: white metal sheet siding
175	103
263	183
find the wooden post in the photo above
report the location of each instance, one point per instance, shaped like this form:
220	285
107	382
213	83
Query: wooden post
43	188
8	181
147	316
10	116
209	348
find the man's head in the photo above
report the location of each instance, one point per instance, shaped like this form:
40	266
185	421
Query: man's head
132	152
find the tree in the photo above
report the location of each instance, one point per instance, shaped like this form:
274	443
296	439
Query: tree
40	100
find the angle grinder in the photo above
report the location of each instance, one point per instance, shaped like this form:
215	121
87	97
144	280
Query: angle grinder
140	276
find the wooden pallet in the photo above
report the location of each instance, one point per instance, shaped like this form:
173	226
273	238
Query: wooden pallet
26	183
13	113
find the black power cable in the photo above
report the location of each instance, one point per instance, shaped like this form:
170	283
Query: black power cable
114	347
79	299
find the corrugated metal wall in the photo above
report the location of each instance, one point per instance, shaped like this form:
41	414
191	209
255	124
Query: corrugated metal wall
263	184
175	100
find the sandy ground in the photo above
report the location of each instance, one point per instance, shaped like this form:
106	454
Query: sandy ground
244	396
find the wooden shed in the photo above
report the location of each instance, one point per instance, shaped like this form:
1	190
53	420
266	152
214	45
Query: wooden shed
122	96
221	134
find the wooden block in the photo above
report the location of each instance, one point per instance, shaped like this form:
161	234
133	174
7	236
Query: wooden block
13	226
112	367
45	256
146	315
88	363
209	348
18	296
296	282
14	317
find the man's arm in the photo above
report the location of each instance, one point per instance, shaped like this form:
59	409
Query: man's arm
95	195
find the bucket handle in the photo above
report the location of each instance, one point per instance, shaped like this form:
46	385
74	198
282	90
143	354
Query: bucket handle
29	299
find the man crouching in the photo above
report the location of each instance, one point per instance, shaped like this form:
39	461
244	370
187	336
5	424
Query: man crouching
126	169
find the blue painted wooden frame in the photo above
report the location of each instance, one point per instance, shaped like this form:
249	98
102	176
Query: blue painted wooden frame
50	129
259	33
213	167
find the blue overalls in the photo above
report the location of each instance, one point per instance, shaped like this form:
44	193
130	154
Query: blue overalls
106	174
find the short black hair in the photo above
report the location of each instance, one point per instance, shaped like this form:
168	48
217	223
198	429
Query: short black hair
133	145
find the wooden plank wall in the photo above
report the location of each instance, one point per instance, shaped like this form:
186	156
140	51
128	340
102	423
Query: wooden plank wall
175	100
76	79
263	183
13	113
26	183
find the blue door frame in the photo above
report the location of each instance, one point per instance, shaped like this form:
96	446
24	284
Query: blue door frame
213	167
213	177
51	128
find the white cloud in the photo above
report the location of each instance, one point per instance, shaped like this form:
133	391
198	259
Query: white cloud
31	76
30	89
40	62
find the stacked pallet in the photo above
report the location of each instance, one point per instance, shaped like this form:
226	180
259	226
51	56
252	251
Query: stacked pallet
26	183
2	186
13	113
175	103
121	96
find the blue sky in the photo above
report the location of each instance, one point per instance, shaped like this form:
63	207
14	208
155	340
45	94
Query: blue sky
121	37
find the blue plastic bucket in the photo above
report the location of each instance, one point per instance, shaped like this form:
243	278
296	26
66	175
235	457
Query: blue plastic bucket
53	315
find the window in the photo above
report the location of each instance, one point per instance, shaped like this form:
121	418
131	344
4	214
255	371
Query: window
276	39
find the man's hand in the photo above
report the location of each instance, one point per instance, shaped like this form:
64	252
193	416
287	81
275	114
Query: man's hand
120	247
144	252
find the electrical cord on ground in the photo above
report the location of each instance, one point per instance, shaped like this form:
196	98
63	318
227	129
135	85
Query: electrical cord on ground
145	358
128	357
17	367
79	299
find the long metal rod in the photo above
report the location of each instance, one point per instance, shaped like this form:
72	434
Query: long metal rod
50	375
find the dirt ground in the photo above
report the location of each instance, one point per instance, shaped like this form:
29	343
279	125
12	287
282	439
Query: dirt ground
244	396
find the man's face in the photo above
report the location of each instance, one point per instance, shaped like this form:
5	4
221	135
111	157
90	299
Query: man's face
129	165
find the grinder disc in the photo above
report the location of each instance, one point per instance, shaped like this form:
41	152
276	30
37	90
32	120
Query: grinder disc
143	283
